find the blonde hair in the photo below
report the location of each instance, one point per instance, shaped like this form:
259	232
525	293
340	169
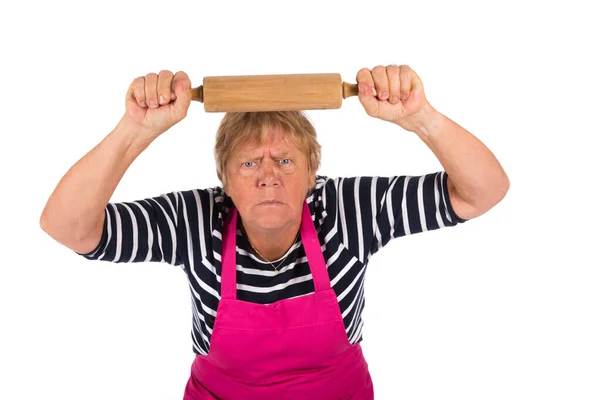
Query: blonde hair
238	128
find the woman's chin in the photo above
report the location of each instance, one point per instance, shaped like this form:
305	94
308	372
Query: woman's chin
270	219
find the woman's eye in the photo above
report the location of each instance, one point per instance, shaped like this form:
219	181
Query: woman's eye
248	164
287	159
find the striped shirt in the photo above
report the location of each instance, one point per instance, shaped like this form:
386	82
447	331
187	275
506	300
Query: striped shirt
354	218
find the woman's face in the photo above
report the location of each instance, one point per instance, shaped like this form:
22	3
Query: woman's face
268	183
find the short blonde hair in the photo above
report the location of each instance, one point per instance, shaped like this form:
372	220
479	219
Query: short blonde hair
238	128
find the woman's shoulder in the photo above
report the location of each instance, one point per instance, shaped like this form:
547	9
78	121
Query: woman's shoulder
210	203
211	195
324	183
325	187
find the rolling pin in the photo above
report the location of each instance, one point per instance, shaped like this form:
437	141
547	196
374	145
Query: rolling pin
281	92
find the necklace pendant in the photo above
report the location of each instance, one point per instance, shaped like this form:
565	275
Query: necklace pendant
275	273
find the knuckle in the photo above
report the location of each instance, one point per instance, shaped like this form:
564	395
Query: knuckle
393	68
363	73
138	84
379	69
405	71
181	74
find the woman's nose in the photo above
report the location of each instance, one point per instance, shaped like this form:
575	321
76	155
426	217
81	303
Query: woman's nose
268	174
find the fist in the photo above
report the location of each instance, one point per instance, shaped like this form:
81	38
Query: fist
393	93
156	102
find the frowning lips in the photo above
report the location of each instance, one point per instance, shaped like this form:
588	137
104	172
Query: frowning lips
266	202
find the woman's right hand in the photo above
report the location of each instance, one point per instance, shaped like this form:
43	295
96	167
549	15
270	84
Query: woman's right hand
156	102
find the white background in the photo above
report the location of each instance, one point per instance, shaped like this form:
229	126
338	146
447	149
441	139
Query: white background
505	306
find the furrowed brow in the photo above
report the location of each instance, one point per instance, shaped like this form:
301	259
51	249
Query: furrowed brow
278	156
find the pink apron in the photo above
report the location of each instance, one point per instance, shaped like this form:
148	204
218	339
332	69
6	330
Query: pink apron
293	349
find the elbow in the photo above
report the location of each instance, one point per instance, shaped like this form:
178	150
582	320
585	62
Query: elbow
44	223
495	194
502	188
70	235
49	227
64	233
498	190
469	207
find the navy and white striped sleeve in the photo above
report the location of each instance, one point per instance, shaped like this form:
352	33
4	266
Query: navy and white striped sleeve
139	231
374	210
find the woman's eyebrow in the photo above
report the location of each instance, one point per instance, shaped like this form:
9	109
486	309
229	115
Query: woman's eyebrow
280	155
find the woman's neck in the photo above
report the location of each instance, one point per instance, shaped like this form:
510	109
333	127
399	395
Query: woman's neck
271	244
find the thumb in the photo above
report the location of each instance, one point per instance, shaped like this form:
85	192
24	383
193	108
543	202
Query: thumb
366	96
181	87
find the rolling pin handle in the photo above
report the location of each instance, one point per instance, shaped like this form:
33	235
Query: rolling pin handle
198	94
349	89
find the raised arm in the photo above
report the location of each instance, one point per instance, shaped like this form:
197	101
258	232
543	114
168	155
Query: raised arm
476	180
75	212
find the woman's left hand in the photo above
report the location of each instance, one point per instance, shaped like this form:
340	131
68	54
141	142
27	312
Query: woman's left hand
399	95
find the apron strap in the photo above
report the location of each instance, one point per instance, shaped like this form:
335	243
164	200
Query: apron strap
228	256
314	255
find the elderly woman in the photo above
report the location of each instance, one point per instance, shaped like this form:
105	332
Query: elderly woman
276	257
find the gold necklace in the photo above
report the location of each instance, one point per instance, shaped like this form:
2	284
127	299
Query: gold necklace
275	267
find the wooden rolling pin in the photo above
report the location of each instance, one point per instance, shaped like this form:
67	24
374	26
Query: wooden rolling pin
273	92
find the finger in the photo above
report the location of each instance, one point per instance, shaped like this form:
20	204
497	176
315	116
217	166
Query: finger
150	89
181	88
365	76
137	92
393	76
381	82
406	80
165	80
366	91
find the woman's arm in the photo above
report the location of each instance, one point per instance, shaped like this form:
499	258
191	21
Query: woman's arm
476	180
74	213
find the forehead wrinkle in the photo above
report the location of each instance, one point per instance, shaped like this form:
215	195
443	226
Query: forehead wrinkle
283	145
258	153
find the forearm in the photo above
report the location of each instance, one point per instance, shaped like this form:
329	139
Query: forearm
76	206
475	175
